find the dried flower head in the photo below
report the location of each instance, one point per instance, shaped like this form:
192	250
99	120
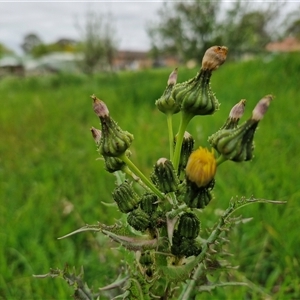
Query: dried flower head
214	57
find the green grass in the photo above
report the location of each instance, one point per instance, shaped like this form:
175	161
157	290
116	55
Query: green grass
51	182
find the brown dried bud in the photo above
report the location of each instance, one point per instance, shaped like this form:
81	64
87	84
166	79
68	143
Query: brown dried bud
214	57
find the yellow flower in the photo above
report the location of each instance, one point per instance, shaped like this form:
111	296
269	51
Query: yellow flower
201	167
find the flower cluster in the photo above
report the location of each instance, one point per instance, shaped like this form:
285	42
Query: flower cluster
162	226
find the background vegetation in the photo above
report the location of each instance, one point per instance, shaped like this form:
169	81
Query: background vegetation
51	182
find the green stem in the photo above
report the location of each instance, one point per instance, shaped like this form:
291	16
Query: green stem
144	179
189	288
221	159
185	119
171	136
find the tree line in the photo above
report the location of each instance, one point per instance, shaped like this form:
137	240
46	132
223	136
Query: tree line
183	29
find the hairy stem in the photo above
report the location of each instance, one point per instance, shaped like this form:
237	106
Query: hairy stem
144	179
171	136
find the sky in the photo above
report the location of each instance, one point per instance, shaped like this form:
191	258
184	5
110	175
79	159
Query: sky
52	20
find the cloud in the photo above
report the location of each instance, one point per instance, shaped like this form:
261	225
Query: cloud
54	20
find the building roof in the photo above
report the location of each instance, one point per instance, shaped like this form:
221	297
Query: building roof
289	44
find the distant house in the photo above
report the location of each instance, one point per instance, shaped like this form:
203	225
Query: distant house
131	60
53	63
11	65
289	44
137	60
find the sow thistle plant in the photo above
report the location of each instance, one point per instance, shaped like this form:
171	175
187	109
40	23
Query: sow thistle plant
173	254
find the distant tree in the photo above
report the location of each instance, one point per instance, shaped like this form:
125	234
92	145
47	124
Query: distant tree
188	28
30	41
4	50
62	45
185	28
292	24
98	42
247	29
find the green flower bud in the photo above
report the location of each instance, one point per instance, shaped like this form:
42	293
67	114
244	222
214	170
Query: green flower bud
189	247
146	259
125	197
158	219
176	241
182	246
195	95
237	144
164	176
149	203
114	141
186	149
139	220
188	226
113	164
197	197
166	103
234	116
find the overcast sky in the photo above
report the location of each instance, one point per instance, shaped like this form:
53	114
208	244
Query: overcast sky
52	20
57	19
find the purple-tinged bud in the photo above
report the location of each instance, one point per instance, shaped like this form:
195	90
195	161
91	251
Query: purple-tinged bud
238	110
166	102
235	114
173	77
237	144
100	107
96	133
114	141
261	108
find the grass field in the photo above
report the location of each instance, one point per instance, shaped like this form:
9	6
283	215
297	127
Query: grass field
51	182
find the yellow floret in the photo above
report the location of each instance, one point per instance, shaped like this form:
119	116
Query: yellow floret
201	167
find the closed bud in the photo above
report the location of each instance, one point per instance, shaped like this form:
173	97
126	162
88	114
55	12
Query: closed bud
149	203
186	149
114	141
113	164
198	197
188	226
96	133
138	219
182	246
214	57
146	259
237	144
261	108
166	102
195	95
173	77
234	116
164	176
189	248
125	197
